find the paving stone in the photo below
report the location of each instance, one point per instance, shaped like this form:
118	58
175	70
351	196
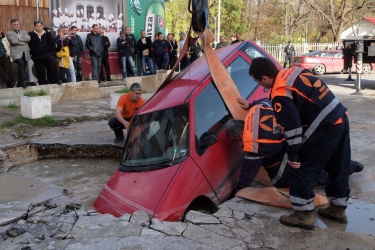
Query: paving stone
141	218
220	229
249	207
201	218
224	212
240	247
134	242
103	220
209	238
228	221
252	222
125	217
238	215
169	228
97	231
241	233
148	231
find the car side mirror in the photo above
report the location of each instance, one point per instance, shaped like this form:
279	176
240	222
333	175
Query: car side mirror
207	140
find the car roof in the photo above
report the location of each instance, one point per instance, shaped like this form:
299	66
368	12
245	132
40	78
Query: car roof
183	84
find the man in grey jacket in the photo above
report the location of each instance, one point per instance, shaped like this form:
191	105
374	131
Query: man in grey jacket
19	49
94	43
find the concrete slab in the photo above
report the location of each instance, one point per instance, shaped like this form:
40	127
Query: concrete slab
18	193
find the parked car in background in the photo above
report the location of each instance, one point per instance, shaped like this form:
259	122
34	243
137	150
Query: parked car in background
325	61
176	156
320	61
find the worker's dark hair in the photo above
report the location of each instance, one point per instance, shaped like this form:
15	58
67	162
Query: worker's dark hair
14	20
73	27
65	42
262	66
135	86
234	127
159	33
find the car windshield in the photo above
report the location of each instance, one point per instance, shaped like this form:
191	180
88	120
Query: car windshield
156	140
313	53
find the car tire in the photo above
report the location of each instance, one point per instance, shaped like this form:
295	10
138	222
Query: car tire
319	69
366	68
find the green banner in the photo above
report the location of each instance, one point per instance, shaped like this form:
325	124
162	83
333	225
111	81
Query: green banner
148	15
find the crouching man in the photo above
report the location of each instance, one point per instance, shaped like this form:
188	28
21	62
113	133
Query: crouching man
127	106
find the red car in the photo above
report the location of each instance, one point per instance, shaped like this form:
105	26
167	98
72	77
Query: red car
324	61
177	156
320	61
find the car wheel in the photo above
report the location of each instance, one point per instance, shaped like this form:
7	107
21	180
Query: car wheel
366	68
201	204
319	69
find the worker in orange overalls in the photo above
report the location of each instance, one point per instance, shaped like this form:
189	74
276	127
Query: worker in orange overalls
317	135
264	145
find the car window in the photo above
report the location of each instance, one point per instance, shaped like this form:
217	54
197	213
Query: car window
239	72
337	55
157	139
210	114
252	51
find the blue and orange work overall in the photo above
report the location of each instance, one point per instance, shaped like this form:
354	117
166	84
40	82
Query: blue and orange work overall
264	144
317	135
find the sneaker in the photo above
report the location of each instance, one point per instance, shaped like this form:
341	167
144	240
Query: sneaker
301	219
118	139
334	212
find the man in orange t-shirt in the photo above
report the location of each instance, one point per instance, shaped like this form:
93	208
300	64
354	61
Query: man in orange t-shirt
127	106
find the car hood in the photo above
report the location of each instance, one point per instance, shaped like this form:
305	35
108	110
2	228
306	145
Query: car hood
127	192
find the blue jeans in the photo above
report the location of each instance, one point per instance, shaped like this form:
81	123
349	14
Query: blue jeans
78	67
72	71
130	61
96	64
147	61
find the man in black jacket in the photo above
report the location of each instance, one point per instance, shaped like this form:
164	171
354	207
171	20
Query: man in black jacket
144	47
173	54
289	53
42	50
76	40
126	44
105	58
94	43
160	51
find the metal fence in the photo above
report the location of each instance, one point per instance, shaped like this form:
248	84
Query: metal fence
277	51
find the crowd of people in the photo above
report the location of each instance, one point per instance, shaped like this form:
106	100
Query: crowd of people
57	55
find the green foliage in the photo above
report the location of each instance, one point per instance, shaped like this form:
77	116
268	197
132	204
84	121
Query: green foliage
273	21
39	92
12	107
46	121
123	90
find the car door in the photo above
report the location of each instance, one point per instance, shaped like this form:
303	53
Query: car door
328	61
221	161
338	62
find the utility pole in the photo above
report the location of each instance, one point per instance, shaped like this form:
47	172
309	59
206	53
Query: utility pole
218	21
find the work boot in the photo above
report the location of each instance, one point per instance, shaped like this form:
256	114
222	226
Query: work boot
357	166
302	219
334	212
